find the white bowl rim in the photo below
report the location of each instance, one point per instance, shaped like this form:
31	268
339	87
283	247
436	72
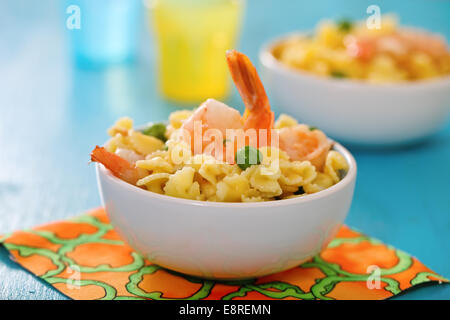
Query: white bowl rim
267	58
349	177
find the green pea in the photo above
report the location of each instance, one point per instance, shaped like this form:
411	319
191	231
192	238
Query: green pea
248	156
157	130
345	25
312	128
338	74
299	191
341	173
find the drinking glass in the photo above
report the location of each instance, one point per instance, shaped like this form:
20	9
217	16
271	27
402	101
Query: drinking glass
192	38
107	30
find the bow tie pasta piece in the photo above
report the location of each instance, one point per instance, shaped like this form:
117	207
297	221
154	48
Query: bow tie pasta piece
271	160
252	195
296	173
230	189
122	126
213	172
285	121
321	182
335	169
267	184
335	166
210	168
182	185
144	144
176	120
179	153
159	153
118	141
288	189
154	182
198	160
156	165
207	190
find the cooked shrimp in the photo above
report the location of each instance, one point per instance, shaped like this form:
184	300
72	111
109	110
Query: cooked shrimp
212	114
299	142
120	167
362	48
303	144
129	155
430	44
257	107
398	44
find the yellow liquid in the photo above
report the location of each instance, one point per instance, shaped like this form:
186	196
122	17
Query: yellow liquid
193	36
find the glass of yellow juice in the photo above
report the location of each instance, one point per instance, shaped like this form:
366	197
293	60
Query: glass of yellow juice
192	38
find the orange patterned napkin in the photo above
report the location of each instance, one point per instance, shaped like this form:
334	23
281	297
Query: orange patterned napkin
85	259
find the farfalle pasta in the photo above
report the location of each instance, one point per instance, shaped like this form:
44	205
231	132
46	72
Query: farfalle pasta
172	169
335	166
182	184
213	153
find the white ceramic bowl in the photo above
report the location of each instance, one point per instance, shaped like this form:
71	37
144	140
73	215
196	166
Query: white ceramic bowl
226	240
356	111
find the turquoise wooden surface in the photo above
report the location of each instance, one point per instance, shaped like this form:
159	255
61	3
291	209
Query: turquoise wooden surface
52	114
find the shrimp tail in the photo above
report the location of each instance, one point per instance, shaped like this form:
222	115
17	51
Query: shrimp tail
257	114
120	167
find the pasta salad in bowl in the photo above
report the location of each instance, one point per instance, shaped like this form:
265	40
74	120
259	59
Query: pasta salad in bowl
378	87
172	169
349	49
215	194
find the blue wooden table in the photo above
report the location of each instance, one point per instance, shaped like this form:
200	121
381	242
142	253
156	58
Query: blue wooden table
52	114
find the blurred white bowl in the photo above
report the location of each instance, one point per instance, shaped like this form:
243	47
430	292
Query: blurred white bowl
226	240
356	111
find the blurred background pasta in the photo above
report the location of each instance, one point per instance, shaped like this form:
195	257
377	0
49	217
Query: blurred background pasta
349	49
